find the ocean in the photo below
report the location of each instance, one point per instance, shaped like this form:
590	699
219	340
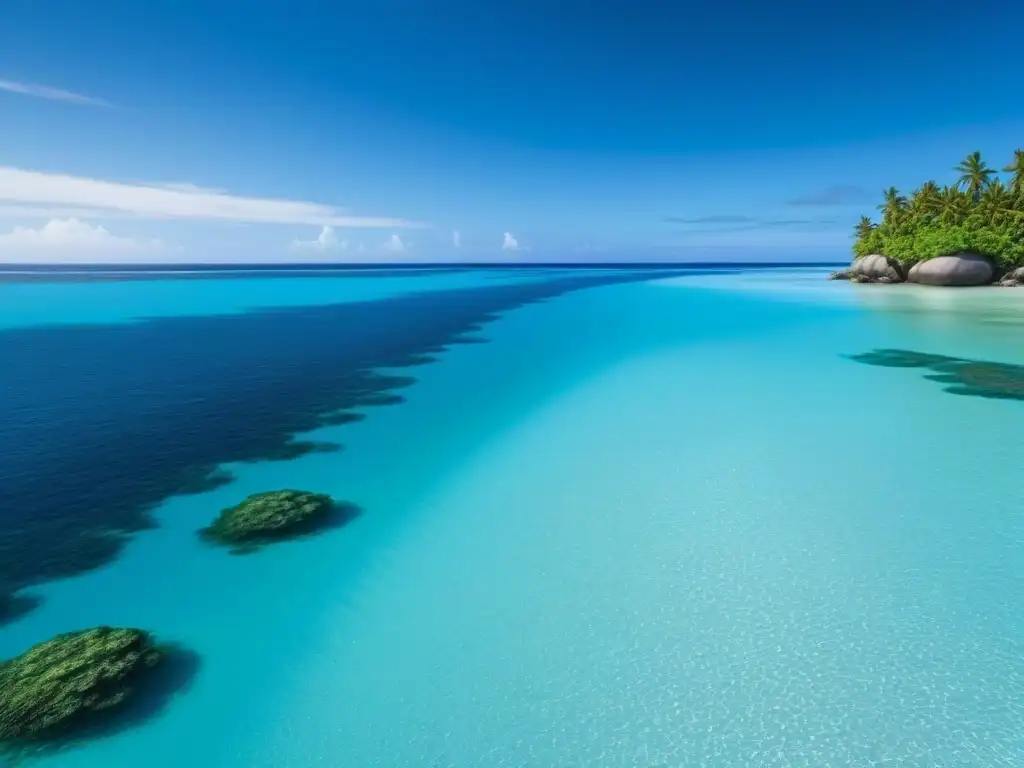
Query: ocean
629	517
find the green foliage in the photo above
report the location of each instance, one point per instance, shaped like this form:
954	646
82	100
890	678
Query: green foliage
974	175
871	242
61	683
1016	169
267	516
978	214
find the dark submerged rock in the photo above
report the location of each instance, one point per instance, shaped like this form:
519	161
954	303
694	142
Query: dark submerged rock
974	378
70	680
266	517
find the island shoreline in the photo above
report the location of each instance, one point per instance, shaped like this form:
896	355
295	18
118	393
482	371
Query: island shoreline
967	234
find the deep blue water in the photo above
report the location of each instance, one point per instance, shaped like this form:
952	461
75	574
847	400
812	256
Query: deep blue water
107	421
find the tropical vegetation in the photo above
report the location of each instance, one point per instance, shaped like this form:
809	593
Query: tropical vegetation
980	212
69	680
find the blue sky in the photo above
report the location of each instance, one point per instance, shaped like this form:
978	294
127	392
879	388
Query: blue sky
564	130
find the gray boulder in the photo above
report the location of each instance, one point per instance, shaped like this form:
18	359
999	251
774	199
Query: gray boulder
1012	278
963	269
875	267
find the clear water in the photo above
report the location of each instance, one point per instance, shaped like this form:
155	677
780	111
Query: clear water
655	523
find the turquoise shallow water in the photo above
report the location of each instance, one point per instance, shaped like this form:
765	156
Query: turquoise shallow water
664	523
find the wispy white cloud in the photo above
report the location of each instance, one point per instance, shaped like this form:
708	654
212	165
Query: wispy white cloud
394	244
176	201
71	240
22	212
456	239
184	186
509	243
52	94
327	240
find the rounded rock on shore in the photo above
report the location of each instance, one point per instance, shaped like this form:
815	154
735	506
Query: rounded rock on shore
963	269
1013	278
877	267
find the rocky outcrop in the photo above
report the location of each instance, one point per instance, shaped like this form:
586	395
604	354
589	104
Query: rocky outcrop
1013	278
266	517
842	274
877	268
964	269
70	680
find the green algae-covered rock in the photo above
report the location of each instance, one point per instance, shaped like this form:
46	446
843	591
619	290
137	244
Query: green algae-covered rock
70	679
269	516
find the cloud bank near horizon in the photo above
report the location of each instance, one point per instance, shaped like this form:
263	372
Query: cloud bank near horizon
395	244
327	240
51	192
73	240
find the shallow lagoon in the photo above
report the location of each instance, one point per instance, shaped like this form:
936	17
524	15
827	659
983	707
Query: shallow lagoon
666	522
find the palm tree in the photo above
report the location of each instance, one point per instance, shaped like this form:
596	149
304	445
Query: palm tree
956	206
863	228
926	200
1017	169
974	175
930	195
996	201
893	206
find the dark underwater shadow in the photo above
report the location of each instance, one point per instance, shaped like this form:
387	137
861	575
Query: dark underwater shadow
14	607
335	517
971	378
295	449
155	694
105	422
168	681
341	417
470	340
198	480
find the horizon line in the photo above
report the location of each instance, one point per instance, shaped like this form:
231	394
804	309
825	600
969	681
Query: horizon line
219	265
